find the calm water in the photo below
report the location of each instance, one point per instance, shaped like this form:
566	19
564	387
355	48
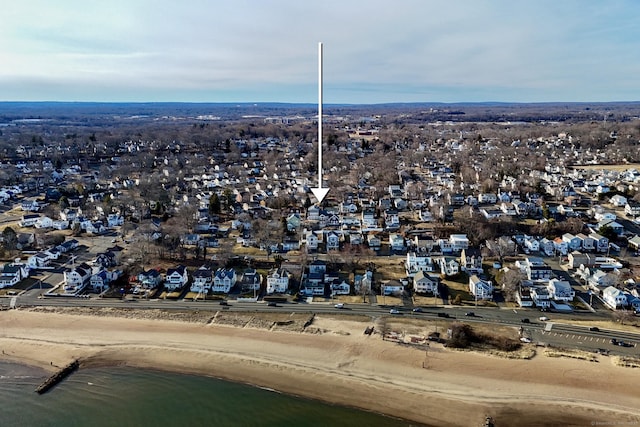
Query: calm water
129	397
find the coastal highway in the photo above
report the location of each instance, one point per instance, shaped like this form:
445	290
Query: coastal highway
558	331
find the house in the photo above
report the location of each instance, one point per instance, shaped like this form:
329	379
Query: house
374	241
449	266
634	243
250	280
396	242
587	243
44	222
176	278
416	263
106	259
536	270
573	242
632	208
560	290
114	220
150	279
29	220
540	296
560	246
67	246
31	205
12	274
471	261
523	296
77	279
340	288
480	289
293	222
458	242
547	246
424	283
487	198
277	281
614	298
531	243
601	242
223	280
202	280
39	260
101	280
614	225
424	243
363	283
332	241
618	200
392	287
311	240
369	219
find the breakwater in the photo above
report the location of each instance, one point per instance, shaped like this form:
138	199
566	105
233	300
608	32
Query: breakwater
57	377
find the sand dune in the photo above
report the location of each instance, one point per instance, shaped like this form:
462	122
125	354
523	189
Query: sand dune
340	364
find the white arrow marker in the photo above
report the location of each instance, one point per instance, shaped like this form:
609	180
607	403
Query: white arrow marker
320	192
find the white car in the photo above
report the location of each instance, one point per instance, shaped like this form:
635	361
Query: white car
525	339
339	305
394	311
543	318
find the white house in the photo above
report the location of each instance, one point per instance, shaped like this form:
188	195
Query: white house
560	290
277	281
459	242
618	200
44	222
202	280
480	289
424	283
12	274
392	287
77	279
223	280
416	263
311	240
396	242
150	279
449	266
614	298
531	243
39	260
176	278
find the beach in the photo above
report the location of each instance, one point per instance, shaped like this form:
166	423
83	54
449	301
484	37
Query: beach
334	361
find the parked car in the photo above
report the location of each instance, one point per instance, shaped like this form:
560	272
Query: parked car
339	305
525	339
470	314
224	302
594	329
417	310
272	304
443	315
525	320
543	318
394	311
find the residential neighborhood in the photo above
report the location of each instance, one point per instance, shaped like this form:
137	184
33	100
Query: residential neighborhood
404	217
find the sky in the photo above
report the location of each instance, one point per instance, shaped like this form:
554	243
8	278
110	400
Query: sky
375	51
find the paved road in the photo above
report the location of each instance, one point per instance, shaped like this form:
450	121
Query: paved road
553	333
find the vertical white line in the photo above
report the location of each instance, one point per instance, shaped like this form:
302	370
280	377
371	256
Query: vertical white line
320	115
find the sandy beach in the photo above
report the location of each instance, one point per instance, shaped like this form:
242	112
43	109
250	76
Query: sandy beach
335	362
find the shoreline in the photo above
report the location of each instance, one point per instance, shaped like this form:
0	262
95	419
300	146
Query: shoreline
338	365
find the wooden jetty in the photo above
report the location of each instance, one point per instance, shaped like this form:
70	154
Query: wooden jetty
57	377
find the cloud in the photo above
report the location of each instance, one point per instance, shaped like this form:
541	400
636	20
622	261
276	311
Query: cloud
374	50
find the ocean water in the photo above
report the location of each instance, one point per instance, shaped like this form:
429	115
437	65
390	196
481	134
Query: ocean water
131	397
